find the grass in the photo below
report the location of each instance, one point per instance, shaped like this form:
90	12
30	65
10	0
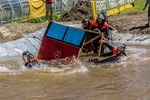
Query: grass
26	19
139	5
57	17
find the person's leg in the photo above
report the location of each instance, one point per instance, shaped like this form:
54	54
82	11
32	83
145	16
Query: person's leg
26	63
149	20
51	14
51	11
47	10
148	24
102	48
110	48
25	59
96	45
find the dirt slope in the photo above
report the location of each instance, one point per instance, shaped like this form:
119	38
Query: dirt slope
80	11
13	31
134	24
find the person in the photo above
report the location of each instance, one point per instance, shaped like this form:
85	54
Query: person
49	7
102	26
29	59
115	54
87	24
99	25
147	3
104	13
119	51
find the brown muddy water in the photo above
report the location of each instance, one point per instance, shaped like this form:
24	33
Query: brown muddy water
80	80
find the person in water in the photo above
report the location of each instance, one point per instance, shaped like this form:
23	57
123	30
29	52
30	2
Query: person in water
29	59
116	53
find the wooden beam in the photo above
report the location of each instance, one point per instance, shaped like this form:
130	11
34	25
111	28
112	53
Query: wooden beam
91	31
92	40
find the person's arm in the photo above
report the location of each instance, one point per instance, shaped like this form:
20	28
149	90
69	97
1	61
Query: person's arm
109	46
107	33
25	59
108	53
96	30
145	5
104	40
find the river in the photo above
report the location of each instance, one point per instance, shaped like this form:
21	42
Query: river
79	80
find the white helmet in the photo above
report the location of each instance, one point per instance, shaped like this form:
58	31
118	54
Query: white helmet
100	16
122	47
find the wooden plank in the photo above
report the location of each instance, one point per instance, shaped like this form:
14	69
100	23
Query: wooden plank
91	40
91	31
100	47
96	57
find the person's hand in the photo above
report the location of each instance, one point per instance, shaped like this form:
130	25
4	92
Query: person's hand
97	30
83	27
105	39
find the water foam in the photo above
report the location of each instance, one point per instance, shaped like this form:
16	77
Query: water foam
74	66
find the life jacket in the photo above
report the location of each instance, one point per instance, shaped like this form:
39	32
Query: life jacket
105	25
115	50
90	24
32	58
95	24
49	1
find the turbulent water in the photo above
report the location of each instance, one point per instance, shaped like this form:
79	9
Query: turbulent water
79	80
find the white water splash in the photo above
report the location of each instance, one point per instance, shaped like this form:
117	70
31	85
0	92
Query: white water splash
74	66
131	38
5	69
137	53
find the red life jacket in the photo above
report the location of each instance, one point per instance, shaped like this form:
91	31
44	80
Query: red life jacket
115	50
93	23
49	1
104	26
34	59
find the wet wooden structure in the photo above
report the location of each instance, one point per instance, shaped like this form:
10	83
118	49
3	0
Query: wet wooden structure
61	41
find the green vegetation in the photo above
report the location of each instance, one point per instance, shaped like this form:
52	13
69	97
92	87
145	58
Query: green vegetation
57	17
26	19
139	5
37	20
